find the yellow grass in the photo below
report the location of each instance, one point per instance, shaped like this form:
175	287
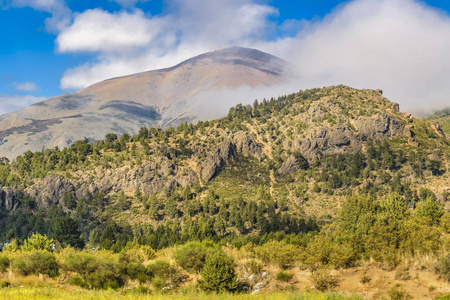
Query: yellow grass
56	293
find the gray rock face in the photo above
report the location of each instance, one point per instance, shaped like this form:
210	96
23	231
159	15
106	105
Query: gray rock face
216	159
50	190
8	199
289	166
379	127
246	144
241	142
324	141
341	139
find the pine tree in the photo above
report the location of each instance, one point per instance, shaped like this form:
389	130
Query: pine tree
219	274
65	230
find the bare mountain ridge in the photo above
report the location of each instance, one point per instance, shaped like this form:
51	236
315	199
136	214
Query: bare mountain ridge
162	97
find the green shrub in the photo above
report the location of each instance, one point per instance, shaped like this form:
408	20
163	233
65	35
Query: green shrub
218	274
163	271
397	292
132	266
280	253
254	267
283	276
4	263
158	283
323	252
323	280
20	267
442	267
76	280
42	262
38	242
192	256
96	272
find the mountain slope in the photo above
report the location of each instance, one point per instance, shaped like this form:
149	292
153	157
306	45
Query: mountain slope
300	149
163	97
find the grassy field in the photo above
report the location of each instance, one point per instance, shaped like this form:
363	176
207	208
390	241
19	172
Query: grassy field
58	293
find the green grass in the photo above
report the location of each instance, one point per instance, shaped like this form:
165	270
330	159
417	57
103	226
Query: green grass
58	293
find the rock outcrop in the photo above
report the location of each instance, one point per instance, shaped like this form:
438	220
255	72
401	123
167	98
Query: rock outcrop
343	139
246	144
289	166
50	190
379	127
217	158
8	199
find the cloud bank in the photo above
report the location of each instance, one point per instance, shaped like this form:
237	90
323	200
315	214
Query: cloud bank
400	46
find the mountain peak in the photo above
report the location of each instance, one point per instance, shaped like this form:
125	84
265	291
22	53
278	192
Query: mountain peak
165	97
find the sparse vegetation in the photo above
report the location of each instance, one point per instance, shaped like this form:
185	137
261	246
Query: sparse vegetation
260	206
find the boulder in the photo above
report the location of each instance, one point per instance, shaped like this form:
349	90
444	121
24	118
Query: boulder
289	166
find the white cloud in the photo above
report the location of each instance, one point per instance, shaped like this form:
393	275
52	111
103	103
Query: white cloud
99	31
191	28
400	46
25	86
9	103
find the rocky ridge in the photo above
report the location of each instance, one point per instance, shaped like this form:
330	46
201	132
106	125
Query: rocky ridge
329	121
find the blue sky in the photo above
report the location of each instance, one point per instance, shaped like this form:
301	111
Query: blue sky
50	47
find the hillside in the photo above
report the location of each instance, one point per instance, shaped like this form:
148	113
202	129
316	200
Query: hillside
443	119
323	179
156	98
306	151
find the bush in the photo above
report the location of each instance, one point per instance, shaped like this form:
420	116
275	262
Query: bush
38	242
283	276
20	267
4	263
284	255
323	280
165	275
76	280
192	256
397	292
254	267
218	274
323	252
131	265
42	262
96	272
140	253
442	267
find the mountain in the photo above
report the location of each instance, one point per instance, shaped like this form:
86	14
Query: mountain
331	179
163	97
303	148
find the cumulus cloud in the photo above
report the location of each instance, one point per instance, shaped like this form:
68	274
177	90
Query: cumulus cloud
25	86
191	28
99	31
14	102
399	46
